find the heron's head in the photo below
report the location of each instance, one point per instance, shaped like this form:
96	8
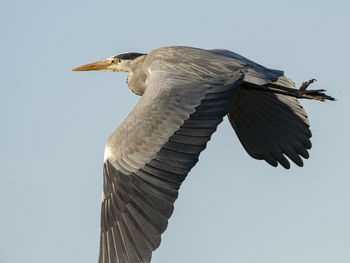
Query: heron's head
121	63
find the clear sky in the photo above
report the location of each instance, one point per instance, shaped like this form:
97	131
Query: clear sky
231	208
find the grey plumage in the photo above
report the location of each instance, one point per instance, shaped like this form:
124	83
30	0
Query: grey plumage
186	92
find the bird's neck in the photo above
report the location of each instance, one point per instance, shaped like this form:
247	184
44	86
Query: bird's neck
138	76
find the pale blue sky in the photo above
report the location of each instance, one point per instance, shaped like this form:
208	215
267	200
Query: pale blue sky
231	208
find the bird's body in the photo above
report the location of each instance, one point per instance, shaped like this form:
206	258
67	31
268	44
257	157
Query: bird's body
193	63
186	92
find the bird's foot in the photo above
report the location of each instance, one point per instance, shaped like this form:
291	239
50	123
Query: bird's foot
316	94
306	84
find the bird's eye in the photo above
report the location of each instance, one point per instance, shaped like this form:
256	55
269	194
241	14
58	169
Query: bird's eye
115	61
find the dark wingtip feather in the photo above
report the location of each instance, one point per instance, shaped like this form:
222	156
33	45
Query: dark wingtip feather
281	160
270	160
294	157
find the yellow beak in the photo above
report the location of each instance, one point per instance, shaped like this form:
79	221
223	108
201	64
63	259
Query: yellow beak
100	65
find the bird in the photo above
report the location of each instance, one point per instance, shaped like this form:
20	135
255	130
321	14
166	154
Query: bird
185	94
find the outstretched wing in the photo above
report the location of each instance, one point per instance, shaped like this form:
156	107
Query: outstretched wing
271	126
150	154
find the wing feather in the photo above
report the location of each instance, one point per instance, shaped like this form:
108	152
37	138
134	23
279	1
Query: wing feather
150	155
270	126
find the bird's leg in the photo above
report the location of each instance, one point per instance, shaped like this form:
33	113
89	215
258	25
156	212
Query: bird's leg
317	94
301	93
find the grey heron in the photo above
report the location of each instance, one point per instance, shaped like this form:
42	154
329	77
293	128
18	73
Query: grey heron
186	92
